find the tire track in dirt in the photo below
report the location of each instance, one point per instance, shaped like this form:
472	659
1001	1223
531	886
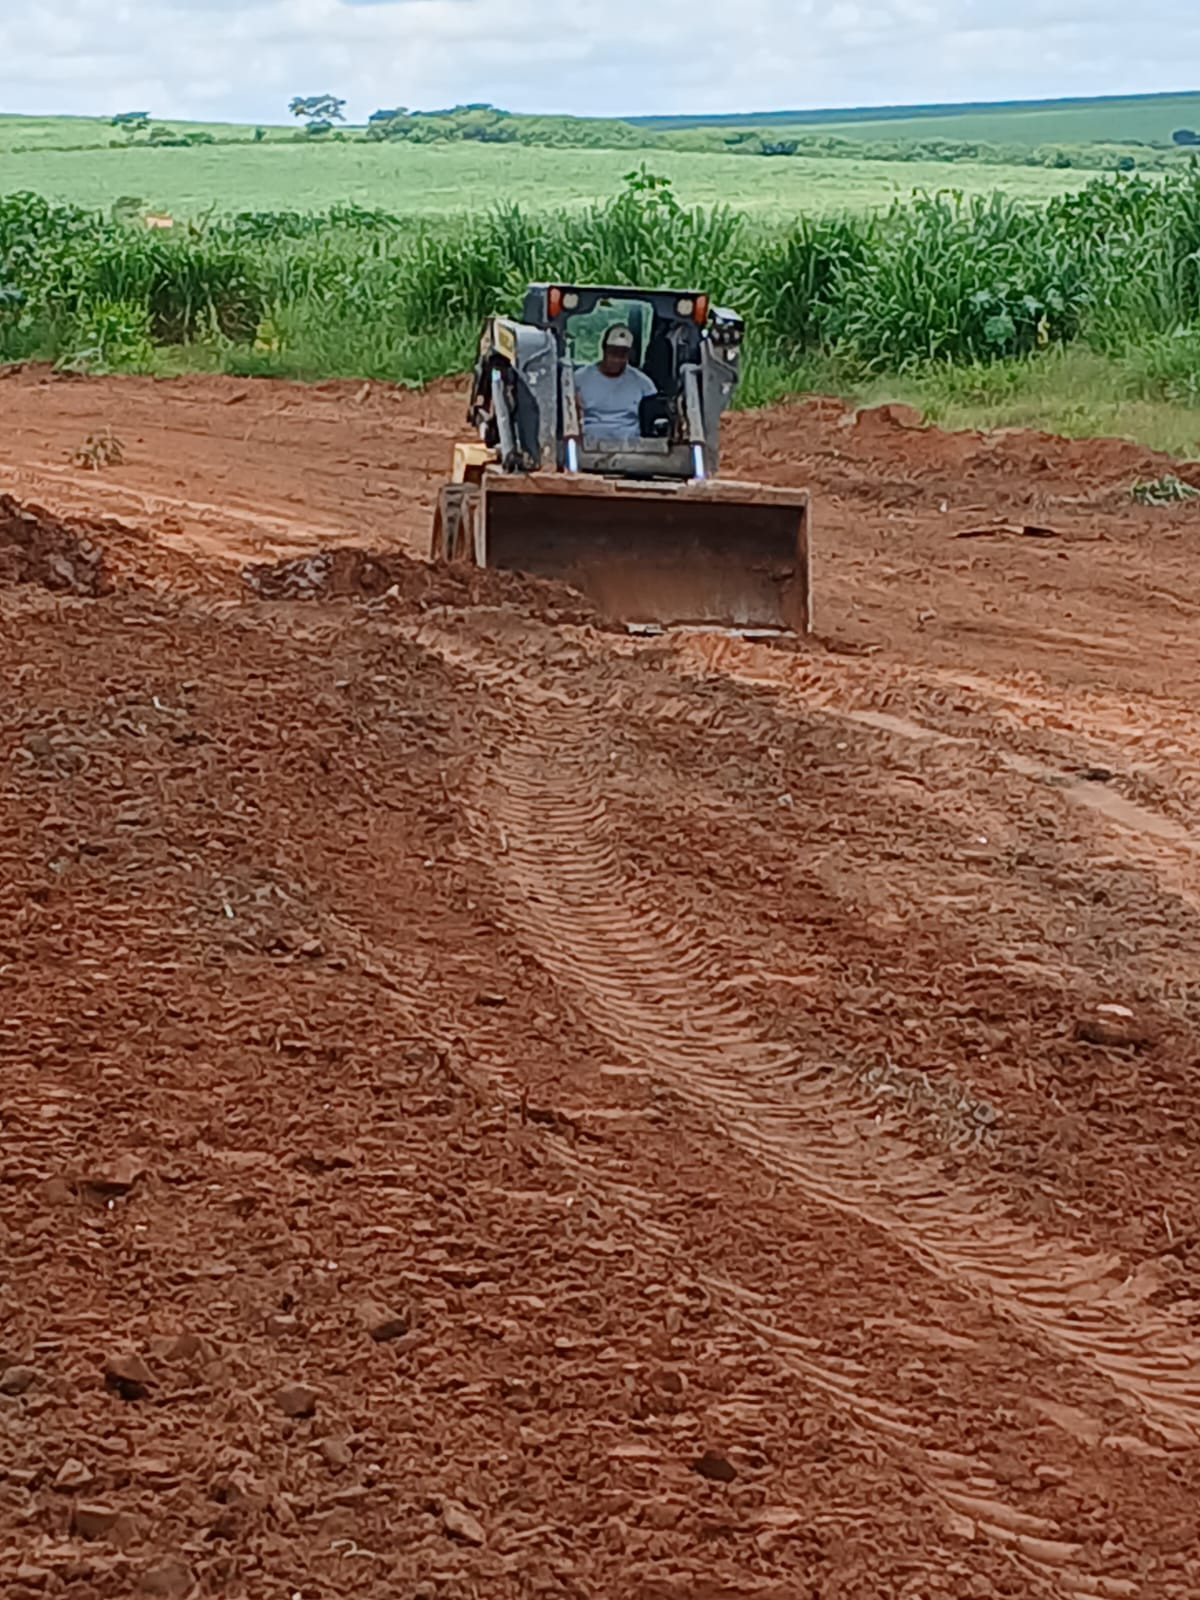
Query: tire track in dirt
647	983
968	1492
907	706
938	700
970	1495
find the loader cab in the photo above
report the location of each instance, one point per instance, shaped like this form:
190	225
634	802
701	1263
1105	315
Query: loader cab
675	332
669	326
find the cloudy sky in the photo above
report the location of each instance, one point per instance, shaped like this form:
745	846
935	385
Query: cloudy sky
243	59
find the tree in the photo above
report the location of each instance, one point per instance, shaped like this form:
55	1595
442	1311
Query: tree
1185	136
318	108
131	122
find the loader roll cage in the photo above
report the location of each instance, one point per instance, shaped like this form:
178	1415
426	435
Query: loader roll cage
524	399
669	328
667	325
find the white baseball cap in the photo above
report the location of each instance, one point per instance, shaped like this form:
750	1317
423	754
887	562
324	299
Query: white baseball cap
618	337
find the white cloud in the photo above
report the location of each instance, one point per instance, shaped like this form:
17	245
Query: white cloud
245	58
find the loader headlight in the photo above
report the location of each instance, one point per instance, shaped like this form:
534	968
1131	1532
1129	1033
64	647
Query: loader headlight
570	300
686	306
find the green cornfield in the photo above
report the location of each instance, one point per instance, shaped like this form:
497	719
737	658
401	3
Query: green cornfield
942	279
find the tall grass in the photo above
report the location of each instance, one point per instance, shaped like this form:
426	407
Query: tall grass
795	282
937	282
1138	245
948	279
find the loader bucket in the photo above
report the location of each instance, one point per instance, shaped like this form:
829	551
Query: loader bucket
700	553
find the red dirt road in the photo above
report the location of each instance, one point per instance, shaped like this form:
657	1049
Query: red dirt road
495	1109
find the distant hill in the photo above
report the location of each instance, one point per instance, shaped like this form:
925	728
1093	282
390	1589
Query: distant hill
1109	133
1108	119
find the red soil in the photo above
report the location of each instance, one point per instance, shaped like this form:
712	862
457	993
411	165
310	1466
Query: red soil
491	1108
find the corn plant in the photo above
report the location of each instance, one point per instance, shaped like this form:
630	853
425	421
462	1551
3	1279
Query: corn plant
937	282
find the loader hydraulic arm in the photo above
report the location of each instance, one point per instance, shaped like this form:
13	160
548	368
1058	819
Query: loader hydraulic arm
506	434
572	428
694	417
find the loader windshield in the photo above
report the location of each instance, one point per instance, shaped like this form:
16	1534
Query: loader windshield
585	331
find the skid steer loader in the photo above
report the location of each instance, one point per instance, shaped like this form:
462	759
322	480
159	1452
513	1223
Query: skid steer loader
641	525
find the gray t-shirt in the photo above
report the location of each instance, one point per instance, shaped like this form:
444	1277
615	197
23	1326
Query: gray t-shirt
610	405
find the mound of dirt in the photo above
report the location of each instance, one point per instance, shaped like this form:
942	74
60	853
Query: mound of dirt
36	547
349	572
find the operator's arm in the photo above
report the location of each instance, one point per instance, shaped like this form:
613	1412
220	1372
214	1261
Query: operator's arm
581	373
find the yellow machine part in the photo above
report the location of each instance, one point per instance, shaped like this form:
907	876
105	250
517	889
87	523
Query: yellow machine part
708	553
470	459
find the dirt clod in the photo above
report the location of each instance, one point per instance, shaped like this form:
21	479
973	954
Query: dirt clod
716	1468
115	1178
73	1474
178	1348
296	1400
335	1453
661	1514
670	1380
171	1579
92	1520
57	1192
460	1524
127	1374
1114	1024
17	1380
894	414
383	1324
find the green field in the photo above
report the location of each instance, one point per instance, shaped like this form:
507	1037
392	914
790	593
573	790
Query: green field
75	133
428	180
1122	119
437	165
1116	120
